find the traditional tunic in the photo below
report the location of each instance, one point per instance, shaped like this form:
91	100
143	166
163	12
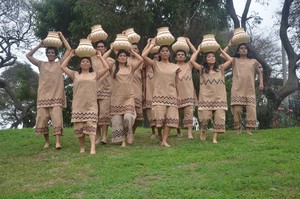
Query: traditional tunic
122	107
103	93
185	86
212	99
138	92
165	95
51	90
243	91
84	105
243	81
186	93
149	94
51	93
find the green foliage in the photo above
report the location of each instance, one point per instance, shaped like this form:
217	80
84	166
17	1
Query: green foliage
264	165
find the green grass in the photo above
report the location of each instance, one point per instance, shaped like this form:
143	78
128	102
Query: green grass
264	165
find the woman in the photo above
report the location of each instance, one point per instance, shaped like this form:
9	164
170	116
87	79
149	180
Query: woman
122	107
243	95
165	96
84	105
212	95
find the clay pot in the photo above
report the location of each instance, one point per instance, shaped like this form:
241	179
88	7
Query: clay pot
121	43
180	44
52	40
154	49
209	44
132	36
85	48
164	37
97	34
240	36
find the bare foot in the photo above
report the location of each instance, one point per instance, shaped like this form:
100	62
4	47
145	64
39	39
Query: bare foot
97	141
103	141
248	133
202	136
58	146
180	135
153	136
215	141
46	146
81	151
93	152
238	131
165	144
123	144
190	136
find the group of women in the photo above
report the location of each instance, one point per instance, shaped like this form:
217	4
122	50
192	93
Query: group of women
112	91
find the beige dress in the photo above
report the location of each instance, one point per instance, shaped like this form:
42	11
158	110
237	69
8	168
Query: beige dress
84	105
212	91
243	81
51	90
185	86
149	86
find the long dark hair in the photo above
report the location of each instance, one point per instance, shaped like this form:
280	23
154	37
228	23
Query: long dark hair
161	47
249	54
90	69
117	62
206	66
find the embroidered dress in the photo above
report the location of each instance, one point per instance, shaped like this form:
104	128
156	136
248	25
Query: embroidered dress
51	90
212	91
149	86
185	86
243	81
122	105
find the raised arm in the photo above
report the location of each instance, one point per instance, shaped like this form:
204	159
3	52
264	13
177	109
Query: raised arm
192	47
30	57
65	62
66	44
146	52
226	49
102	72
260	80
139	62
194	58
227	58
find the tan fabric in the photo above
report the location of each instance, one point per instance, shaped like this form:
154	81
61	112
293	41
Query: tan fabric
250	116
104	111
84	105
212	94
104	82
150	117
243	81
165	84
185	85
139	113
122	97
165	116
122	127
51	90
149	86
43	116
187	115
137	86
218	116
85	128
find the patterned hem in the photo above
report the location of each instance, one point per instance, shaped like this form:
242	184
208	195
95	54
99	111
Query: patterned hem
219	128
164	100
103	94
251	123
42	130
88	130
104	120
51	102
188	123
81	116
243	100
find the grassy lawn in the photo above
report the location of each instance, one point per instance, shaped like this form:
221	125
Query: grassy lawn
264	165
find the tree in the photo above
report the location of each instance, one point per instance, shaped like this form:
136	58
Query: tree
18	96
292	83
16	21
